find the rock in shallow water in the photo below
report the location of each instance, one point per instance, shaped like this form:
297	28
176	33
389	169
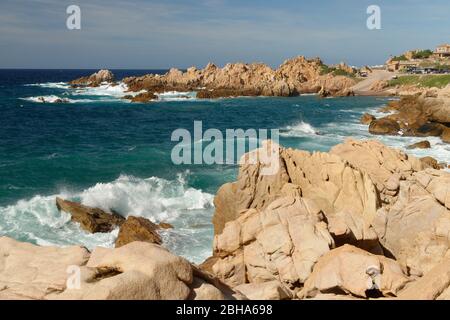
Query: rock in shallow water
367	118
384	127
420	145
90	219
137	229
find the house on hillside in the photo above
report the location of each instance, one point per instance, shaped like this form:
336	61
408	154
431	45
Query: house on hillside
442	51
393	65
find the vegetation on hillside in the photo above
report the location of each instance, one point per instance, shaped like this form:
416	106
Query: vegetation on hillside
426	81
400	58
423	54
335	71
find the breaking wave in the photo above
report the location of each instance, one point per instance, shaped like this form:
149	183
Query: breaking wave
56	99
300	129
176	96
37	219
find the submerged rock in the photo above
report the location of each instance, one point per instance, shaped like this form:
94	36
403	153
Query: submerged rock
367	118
384	126
142	97
90	219
420	145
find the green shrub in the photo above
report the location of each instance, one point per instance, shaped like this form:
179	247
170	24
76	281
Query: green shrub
424	54
399	58
340	72
326	69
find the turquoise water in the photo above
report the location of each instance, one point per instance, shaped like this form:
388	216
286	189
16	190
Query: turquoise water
109	153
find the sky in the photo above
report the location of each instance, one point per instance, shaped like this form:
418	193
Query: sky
158	34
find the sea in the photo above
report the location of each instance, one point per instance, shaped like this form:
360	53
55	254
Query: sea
106	152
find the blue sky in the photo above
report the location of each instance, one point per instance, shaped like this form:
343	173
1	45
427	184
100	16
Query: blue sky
160	34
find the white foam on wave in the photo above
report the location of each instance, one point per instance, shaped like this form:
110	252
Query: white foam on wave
105	92
38	220
50	85
55	99
153	198
176	96
299	129
338	132
105	89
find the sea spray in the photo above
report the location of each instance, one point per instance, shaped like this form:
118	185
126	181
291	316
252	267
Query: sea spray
37	220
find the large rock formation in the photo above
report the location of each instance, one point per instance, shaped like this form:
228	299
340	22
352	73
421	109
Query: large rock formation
361	221
293	77
284	231
137	270
416	228
28	271
415	115
94	79
354	271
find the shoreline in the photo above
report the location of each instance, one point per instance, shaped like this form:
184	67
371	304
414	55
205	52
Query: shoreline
242	237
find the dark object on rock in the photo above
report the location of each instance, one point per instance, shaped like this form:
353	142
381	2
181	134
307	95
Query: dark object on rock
367	118
384	126
420	145
90	219
137	229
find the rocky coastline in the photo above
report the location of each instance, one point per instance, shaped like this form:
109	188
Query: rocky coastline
294	77
419	115
363	221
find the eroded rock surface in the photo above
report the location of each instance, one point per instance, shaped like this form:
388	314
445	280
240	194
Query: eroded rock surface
138	270
295	76
361	202
137	229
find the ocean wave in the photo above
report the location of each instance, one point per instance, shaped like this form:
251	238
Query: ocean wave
50	85
109	90
299	129
176	96
337	133
55	99
38	220
154	198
